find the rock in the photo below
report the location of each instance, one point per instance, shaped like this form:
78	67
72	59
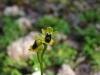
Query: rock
97	73
32	15
66	70
26	1
84	69
80	59
73	44
13	10
49	48
7	11
25	23
18	50
82	5
97	48
21	12
61	36
37	73
73	19
98	26
78	4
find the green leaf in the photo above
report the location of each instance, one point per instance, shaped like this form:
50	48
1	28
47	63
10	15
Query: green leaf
15	72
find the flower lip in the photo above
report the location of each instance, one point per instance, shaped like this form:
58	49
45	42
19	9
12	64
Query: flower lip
48	38
35	45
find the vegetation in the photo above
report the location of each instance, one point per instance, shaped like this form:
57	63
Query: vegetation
11	32
86	33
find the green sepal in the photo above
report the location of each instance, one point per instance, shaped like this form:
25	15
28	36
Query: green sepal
54	33
39	36
43	31
49	30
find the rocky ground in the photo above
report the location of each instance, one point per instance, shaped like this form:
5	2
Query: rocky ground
27	12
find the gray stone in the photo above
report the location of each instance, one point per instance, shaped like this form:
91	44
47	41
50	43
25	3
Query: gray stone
18	50
73	44
97	73
61	36
97	48
25	23
37	73
98	26
80	59
66	70
73	19
13	10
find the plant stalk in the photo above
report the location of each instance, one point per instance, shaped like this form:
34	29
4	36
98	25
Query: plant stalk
41	64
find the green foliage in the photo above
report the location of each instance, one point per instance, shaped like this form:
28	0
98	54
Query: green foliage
90	16
33	61
96	60
11	67
62	57
49	72
57	24
87	31
61	54
11	32
8	67
91	42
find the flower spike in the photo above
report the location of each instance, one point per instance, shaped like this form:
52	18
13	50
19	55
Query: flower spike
41	44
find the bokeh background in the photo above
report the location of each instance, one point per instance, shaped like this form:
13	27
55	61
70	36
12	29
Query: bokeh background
76	50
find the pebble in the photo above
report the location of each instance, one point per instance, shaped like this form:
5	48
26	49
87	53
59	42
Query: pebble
25	23
13	10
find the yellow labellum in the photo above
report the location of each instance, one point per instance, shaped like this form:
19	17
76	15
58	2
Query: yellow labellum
51	41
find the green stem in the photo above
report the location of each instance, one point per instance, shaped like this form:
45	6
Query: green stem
38	57
41	65
45	47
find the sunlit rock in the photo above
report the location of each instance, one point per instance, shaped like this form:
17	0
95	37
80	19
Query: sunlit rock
18	50
13	10
60	37
66	70
37	73
25	23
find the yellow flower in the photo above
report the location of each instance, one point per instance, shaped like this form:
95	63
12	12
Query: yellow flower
36	46
48	39
49	34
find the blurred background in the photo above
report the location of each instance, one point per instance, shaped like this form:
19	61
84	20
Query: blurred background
76	50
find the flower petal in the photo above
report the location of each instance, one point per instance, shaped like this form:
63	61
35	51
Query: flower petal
34	50
51	42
